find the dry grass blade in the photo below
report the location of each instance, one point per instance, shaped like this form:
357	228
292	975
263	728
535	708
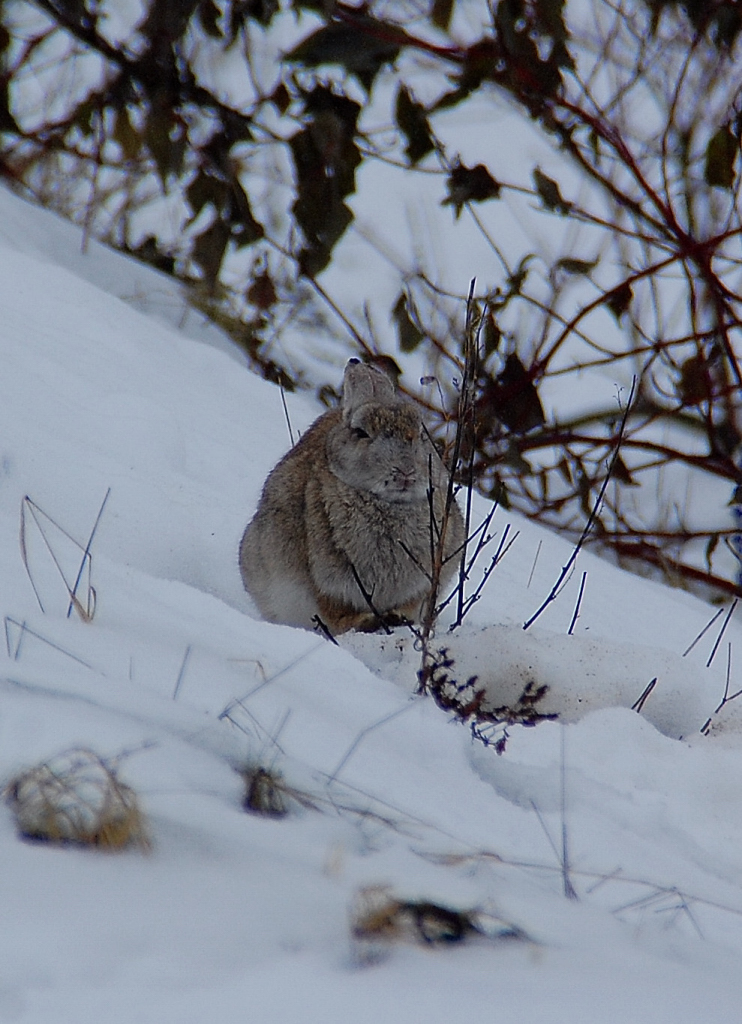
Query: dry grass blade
45	525
87	560
77	799
362	735
14	649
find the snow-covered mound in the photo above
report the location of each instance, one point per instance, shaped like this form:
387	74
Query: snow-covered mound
164	670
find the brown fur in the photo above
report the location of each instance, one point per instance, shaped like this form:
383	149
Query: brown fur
340	501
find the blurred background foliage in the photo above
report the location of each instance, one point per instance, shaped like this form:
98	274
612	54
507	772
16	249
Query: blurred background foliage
228	143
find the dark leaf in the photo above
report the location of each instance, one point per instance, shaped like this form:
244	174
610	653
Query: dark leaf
498	493
362	53
245	229
518	278
166	22
619	299
261	11
724	439
318	210
550	19
408	333
441	12
529	76
549	193
694	385
622	473
412	121
513	457
281	98
126	135
564	469
262	291
584	489
86	114
480	65
721	154
325	158
328	396
235	127
575	267
209	249
7	121
206	188
149	252
164	140
512	398
470	185
727	24
316	256
208	15
322	100
491	334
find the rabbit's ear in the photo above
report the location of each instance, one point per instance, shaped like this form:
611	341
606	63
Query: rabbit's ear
363	384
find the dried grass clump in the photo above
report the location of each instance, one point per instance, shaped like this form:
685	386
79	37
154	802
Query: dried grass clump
268	794
265	792
77	799
378	916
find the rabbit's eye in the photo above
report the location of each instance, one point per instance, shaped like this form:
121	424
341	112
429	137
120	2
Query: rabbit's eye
360	434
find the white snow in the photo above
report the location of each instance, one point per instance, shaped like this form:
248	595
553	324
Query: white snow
233	917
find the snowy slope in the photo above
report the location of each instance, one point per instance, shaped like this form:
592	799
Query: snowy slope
234	917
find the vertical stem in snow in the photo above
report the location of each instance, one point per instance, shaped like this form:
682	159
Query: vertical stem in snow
569	889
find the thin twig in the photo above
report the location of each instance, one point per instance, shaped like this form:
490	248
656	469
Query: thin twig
494	562
483	540
726	699
638	705
591	518
179	680
271	679
324	630
533	567
545	830
722	631
362	735
576	613
466	425
569	890
286	412
368	598
703	632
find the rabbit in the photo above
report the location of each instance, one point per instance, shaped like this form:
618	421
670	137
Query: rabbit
342	535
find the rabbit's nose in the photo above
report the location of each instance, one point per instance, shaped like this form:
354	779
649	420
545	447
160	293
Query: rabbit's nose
405	477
